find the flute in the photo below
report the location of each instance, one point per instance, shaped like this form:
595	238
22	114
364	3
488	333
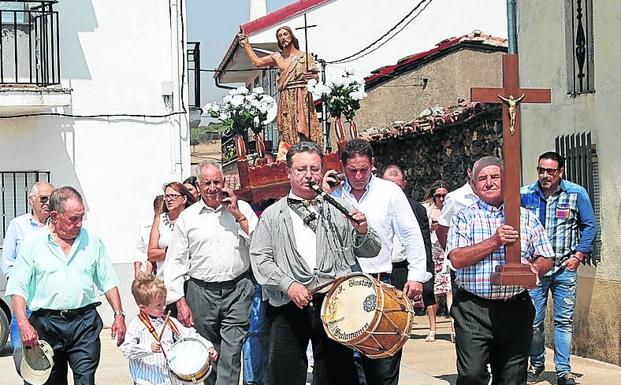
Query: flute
315	187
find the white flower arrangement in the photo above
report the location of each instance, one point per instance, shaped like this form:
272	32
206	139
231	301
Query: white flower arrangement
342	94
243	109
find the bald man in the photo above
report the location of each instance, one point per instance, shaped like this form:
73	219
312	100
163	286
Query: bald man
19	229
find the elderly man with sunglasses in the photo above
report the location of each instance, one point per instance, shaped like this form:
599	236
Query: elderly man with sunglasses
565	210
19	228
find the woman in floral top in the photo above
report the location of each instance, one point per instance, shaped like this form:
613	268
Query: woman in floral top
442	285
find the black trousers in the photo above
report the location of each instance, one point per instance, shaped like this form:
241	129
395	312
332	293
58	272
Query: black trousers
75	341
291	329
493	332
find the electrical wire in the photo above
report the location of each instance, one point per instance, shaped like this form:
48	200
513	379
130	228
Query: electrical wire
383	36
390	38
94	116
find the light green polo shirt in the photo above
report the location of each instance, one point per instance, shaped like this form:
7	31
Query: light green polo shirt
48	279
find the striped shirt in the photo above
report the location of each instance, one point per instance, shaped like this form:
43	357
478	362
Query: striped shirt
567	216
146	367
478	222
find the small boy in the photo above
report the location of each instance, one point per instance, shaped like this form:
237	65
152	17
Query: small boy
147	363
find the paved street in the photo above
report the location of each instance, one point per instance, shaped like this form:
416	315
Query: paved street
423	363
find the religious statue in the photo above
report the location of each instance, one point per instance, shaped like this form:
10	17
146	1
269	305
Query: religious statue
296	118
512	102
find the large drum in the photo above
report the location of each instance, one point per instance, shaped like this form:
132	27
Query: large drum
188	360
367	315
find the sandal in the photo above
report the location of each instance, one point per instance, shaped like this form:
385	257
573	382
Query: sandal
431	336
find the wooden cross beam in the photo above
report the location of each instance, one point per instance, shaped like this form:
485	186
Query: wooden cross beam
310	97
511	96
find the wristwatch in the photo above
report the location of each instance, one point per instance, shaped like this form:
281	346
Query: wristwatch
119	313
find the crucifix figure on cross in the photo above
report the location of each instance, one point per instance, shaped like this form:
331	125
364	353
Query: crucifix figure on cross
512	272
512	103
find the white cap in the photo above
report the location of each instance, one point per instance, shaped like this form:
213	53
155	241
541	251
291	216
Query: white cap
36	363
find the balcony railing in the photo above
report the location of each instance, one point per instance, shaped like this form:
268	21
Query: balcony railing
29	44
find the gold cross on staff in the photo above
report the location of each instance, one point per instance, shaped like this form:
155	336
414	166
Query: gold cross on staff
512	272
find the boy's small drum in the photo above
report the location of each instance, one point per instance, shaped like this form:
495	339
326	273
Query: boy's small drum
188	360
367	315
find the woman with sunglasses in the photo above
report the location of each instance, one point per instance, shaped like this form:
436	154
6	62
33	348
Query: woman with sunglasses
442	284
176	199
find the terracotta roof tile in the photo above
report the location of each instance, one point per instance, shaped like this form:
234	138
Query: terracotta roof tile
431	119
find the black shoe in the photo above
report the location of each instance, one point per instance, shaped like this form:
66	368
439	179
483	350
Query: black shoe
533	374
566	379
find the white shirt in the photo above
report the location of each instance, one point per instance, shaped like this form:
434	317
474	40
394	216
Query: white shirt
142	245
305	237
207	245
18	230
455	201
388	211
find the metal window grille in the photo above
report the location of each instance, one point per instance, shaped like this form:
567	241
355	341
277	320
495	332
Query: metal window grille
194	65
29	43
14	189
579	32
582	167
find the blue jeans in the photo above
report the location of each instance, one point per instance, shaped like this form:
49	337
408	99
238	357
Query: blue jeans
562	284
254	365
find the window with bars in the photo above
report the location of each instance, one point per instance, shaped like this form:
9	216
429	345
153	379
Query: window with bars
582	167
14	189
579	39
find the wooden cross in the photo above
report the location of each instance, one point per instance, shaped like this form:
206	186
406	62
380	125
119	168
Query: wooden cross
310	97
511	96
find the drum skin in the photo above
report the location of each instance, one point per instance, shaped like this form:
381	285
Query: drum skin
188	360
377	333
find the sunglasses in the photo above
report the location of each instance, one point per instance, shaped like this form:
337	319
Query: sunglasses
439	195
43	199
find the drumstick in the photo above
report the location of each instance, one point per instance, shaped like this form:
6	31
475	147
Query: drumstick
323	285
159	338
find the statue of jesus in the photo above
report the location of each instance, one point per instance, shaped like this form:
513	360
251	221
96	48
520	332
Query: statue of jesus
293	73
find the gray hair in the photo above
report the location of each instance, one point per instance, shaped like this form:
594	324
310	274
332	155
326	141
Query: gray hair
60	196
393	170
34	190
303	146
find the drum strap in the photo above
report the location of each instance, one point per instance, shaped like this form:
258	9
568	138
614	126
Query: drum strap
301	209
147	322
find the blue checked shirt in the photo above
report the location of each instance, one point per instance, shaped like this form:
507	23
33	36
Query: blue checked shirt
478	222
567	216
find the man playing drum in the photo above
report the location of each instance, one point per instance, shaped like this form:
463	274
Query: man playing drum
388	210
302	242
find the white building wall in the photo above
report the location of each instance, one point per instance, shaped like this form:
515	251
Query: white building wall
590	112
345	26
118	57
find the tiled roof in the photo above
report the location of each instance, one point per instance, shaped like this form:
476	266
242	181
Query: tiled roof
474	39
431	119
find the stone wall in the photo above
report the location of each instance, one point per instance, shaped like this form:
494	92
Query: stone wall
441	82
443	153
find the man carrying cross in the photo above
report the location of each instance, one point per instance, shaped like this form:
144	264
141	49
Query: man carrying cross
296	119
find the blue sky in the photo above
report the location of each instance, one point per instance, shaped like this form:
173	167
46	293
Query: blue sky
213	23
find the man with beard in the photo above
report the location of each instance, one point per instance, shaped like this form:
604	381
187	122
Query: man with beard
55	274
565	210
295	69
302	242
207	270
